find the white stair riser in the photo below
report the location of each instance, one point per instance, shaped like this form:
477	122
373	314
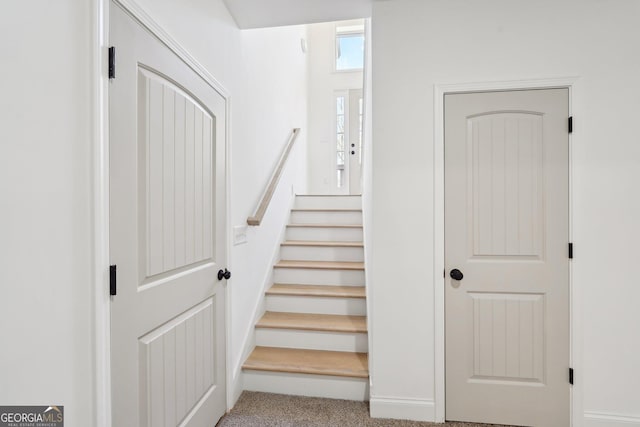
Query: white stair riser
317	305
321	253
307	385
350	234
312	340
318	277
328	202
326	217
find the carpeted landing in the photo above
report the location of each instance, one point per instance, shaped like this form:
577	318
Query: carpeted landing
277	410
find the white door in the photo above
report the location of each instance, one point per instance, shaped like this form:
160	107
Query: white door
348	115
167	236
506	234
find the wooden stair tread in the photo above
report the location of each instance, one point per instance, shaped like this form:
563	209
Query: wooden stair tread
323	265
318	290
328	195
325	225
313	322
325	210
322	243
316	362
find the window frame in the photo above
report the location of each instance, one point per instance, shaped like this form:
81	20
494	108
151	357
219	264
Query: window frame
346	30
334	149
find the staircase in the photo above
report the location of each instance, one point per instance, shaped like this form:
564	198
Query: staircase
312	339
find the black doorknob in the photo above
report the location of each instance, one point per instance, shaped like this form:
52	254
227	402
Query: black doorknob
226	274
353	152
456	274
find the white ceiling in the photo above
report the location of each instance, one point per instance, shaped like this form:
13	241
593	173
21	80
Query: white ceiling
274	13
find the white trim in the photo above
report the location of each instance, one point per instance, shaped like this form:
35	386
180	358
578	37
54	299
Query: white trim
344	190
235	373
366	196
350	29
150	24
102	306
100	217
609	419
575	325
402	408
227	309
351	32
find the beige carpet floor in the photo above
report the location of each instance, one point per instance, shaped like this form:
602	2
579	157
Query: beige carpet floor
277	410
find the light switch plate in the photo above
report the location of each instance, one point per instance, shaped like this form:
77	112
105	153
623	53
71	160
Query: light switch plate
240	234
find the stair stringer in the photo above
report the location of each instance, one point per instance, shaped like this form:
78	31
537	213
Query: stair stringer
249	340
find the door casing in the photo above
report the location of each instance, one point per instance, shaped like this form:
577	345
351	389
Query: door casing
100	187
575	325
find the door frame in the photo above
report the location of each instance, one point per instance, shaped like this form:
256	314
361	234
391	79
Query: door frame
575	308
100	185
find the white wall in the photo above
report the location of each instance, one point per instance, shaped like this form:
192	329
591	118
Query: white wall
260	13
45	207
274	101
46	231
420	43
323	82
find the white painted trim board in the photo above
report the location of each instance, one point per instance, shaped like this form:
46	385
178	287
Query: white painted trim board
367	220
609	419
402	408
100	218
575	327
249	341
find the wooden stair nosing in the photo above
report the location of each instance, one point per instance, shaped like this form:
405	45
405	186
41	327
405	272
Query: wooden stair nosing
296	225
320	265
330	291
315	362
313	322
328	195
322	243
325	210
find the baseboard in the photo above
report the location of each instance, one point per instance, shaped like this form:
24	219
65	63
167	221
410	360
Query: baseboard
248	341
402	408
325	386
237	386
608	419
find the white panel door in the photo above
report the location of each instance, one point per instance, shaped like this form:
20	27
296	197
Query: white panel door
506	233
167	224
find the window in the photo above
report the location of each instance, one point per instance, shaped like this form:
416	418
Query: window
340	140
348	109
350	48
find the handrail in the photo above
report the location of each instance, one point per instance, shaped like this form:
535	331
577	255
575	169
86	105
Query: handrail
256	219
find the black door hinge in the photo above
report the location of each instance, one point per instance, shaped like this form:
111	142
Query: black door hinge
571	376
112	280
571	124
112	62
570	250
